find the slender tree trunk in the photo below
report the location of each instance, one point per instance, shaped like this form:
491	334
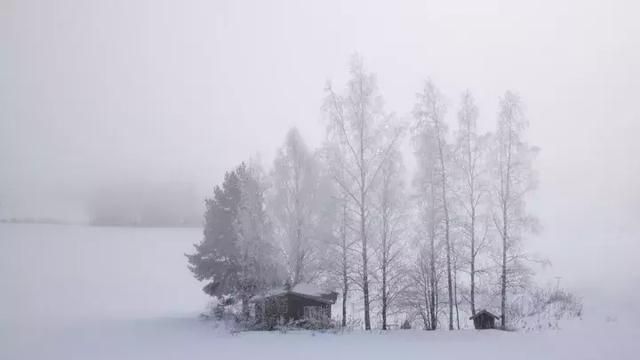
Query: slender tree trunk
363	226
345	290
384	274
298	210
447	239
299	254
436	307
297	276
505	232
471	177
345	269
472	274
384	300
446	220
449	277
425	320
503	290
433	284
455	295
385	254
365	275
426	295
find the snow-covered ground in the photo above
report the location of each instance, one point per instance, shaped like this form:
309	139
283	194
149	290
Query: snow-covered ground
73	292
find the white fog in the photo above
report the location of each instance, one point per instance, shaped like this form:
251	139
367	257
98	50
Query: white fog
119	118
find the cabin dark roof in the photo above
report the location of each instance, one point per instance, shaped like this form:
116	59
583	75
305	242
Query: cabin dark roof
307	291
484	312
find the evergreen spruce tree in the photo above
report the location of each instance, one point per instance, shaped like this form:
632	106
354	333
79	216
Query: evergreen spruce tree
236	255
216	256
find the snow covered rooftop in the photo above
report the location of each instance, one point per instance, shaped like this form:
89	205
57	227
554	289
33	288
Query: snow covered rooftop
484	312
306	290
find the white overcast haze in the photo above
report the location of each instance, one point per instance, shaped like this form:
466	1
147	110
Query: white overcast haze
100	92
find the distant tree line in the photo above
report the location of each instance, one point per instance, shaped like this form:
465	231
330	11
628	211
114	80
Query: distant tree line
432	248
142	204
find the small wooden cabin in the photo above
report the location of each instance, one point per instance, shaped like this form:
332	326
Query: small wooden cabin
290	303
484	320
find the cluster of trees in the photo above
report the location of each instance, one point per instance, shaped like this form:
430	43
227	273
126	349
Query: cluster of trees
444	241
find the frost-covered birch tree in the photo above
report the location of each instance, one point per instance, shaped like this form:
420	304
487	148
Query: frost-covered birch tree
513	178
295	206
341	249
391	206
258	261
356	123
472	188
429	114
425	292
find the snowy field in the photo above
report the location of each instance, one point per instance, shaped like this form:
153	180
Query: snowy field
73	292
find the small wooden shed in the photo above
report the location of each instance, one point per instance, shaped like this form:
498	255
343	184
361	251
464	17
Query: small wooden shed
290	303
484	320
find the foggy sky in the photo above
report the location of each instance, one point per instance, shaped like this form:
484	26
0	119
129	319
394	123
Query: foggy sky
100	92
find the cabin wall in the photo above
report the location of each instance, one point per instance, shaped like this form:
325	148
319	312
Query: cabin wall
484	322
297	305
288	308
